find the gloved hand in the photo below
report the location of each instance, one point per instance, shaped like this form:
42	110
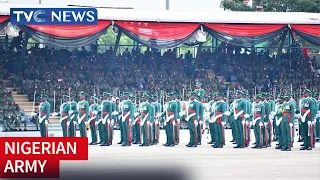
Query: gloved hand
178	120
223	124
314	122
148	122
112	121
151	124
247	123
227	113
260	124
309	122
156	121
195	122
165	123
173	123
68	123
265	124
108	121
210	120
200	122
243	122
291	124
246	116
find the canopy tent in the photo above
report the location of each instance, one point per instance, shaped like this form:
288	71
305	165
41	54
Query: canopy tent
167	28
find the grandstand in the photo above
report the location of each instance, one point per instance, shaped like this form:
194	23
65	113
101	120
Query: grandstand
217	67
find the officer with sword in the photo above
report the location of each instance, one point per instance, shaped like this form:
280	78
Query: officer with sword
157	113
73	114
127	117
44	115
83	112
177	123
105	122
219	120
146	115
212	113
170	115
192	119
258	115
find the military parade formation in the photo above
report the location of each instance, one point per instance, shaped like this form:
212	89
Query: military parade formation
272	116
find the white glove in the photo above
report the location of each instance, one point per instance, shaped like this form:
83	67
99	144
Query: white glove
265	124
318	115
260	124
291	124
158	115
246	116
108	121
314	122
70	111
200	122
173	123
309	122
223	124
112	121
148	122
227	113
210	121
195	122
68	123
243	122
165	123
247	123
156	121
151	124
114	113
273	113
178	120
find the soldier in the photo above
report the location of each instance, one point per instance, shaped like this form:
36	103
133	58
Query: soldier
83	112
3	121
247	126
316	107
105	122
267	123
171	115
240	113
93	119
127	113
258	114
8	115
277	120
200	92
318	119
212	113
306	113
146	115
219	120
177	126
121	100
200	123
157	114
64	113
233	122
17	116
136	124
192	119
44	115
286	124
73	114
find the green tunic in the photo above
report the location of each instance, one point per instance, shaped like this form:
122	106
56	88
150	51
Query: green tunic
92	108
44	110
83	108
106	108
267	111
220	108
194	107
128	106
306	104
200	93
146	108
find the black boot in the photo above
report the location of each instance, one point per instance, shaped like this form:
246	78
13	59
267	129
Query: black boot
105	144
93	143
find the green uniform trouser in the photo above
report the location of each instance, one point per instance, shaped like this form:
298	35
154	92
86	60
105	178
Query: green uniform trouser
233	128
93	130
156	132
72	128
5	123
285	132
108	132
280	135
257	133
193	132
121	124
83	129
304	133
151	132
177	131
199	134
43	129
275	129
170	131
102	134
145	133
212	133
126	131
137	130
218	133
64	125
318	128
239	132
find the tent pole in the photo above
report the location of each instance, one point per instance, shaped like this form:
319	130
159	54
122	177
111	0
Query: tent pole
197	57
114	53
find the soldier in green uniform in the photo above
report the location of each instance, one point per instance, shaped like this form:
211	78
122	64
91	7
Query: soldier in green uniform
266	124
177	126
104	123
93	119
318	118
83	113
73	114
44	115
193	113
212	113
307	116
64	113
240	113
247	126
316	105
170	115
258	114
146	115
286	124
157	113
8	115
200	123
233	122
200	93
121	100
136	124
127	119
3	121
219	120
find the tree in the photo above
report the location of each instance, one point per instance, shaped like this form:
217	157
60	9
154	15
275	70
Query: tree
273	5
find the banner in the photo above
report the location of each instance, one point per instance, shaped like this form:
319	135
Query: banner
37	157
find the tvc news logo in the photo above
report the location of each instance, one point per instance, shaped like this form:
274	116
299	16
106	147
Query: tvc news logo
36	157
40	16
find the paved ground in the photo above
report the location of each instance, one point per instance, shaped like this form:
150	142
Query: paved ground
204	162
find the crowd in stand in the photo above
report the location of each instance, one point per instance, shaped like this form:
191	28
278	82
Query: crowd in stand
54	72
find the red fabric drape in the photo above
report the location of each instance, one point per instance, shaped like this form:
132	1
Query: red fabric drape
245	29
3	18
163	31
71	31
313	30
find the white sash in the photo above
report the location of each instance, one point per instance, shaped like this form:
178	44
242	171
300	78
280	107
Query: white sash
255	120
278	121
144	120
63	118
81	118
125	117
190	116
303	118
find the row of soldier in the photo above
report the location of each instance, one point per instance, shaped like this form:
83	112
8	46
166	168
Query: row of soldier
11	117
139	123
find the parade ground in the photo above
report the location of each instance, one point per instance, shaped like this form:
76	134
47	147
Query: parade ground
203	162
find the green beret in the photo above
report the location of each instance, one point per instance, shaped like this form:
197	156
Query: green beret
289	94
307	90
220	94
193	93
145	95
82	93
43	96
65	97
198	83
212	94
